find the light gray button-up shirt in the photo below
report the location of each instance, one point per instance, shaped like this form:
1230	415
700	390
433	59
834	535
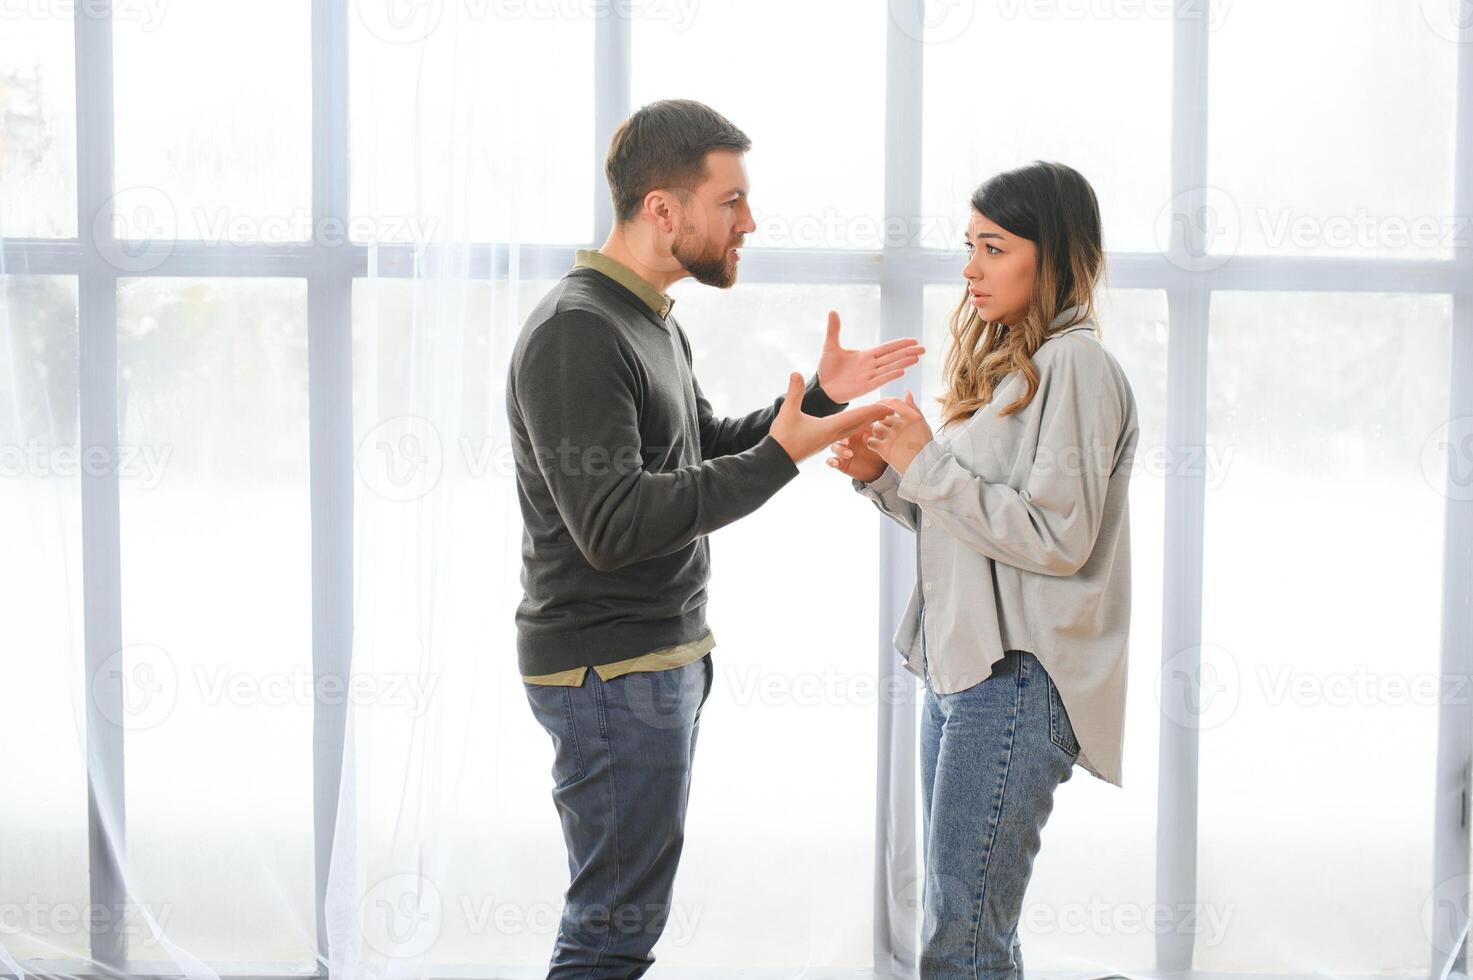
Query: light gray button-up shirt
1023	538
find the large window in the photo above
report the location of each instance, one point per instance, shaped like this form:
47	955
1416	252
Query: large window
1285	191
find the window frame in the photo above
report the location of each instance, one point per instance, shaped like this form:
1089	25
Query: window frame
901	271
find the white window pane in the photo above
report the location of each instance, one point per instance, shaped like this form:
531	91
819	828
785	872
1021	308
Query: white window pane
1093	884
38	123
216	580
1088	85
817	175
471	122
214	107
1320	630
43	824
1331	128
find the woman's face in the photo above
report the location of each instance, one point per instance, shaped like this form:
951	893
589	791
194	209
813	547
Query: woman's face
1000	271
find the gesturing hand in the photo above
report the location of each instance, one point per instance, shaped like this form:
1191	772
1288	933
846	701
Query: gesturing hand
901	434
845	374
803	435
854	459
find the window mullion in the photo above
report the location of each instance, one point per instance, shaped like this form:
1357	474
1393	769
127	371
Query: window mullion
1451	846
1188	300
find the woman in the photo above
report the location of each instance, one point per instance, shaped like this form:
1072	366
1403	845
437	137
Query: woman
1021	608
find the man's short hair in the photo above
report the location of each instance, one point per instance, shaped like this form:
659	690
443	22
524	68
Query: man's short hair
665	144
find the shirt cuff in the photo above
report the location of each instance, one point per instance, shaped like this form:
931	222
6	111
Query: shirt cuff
882	484
816	401
913	483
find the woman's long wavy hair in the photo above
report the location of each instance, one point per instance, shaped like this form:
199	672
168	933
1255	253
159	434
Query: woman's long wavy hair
1054	207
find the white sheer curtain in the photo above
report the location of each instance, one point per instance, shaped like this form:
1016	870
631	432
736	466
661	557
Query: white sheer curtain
448	853
438	831
161	718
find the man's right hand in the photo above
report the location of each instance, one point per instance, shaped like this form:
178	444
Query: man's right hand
803	435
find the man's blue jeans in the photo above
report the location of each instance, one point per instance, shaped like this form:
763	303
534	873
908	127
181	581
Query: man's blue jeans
621	774
991	758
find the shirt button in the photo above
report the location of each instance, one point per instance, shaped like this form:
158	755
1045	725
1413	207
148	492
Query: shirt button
930	586
928	522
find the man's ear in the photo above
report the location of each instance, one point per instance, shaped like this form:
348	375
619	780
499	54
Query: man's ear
659	206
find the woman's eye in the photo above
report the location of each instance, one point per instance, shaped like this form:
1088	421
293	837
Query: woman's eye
993	250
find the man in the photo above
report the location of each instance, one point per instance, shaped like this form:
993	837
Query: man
622	471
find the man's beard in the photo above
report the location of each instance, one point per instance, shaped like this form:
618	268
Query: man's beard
708	265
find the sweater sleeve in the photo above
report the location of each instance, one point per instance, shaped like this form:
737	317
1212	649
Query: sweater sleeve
1048	526
725	436
577	392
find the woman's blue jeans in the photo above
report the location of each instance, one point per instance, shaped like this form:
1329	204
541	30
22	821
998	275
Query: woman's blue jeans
991	758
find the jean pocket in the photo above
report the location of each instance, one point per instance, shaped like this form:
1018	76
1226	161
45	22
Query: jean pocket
710	666
553	708
1060	729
